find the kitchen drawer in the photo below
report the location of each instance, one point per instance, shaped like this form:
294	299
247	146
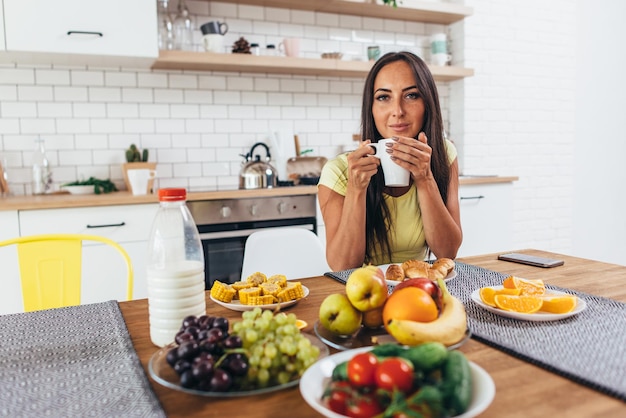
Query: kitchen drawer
90	27
123	223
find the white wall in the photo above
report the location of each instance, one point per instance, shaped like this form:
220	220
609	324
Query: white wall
600	171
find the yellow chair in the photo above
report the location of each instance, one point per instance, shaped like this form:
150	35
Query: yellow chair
51	265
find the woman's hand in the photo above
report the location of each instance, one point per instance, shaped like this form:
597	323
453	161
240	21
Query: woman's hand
362	166
414	155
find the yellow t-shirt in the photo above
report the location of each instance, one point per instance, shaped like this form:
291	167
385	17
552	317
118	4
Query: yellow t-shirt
406	237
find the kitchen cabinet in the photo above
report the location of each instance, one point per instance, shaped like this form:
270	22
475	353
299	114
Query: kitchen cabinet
429	12
486	218
128	225
10	289
71	31
2	44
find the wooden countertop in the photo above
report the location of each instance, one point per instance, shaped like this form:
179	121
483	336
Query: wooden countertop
522	389
64	200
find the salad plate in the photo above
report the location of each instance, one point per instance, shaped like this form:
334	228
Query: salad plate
235	305
316	378
581	305
163	374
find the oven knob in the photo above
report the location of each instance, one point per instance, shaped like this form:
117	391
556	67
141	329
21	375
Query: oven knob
254	209
282	207
225	211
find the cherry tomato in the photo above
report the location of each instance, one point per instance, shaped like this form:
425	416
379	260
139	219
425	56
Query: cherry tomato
362	369
394	372
364	406
338	396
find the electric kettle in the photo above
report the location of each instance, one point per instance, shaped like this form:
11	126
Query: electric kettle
257	174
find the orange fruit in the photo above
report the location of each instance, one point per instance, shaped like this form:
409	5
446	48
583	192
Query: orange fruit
559	304
411	303
487	294
527	286
521	304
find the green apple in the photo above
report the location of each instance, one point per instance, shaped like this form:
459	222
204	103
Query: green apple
338	315
367	288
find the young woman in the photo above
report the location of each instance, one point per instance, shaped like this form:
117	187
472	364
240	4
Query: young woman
368	223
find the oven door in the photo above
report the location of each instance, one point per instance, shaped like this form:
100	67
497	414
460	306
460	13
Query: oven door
224	246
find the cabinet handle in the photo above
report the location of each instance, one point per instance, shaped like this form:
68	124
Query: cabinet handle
105	226
81	32
472	197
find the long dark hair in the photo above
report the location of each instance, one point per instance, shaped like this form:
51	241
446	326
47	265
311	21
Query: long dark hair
376	208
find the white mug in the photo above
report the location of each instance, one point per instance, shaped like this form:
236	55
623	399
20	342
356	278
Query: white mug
440	59
213	42
290	47
138	179
395	176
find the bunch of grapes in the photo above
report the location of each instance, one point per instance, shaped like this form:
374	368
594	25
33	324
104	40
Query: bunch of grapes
277	351
207	358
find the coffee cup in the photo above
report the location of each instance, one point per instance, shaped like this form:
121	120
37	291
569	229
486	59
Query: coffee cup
373	52
213	42
395	175
139	179
290	47
214	27
440	59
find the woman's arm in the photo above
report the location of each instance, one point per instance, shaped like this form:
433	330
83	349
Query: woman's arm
344	216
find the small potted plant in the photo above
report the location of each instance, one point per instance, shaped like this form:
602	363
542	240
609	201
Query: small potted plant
137	159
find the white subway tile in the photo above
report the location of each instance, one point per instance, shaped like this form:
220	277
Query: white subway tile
18	76
184	111
215	168
172	155
188	170
70	94
227	97
107	126
89	110
53	77
122	79
29	93
87	78
152	80
168	96
199	125
227	126
123	111
54	109
89	141
197	96
183	81
269	112
139	126
37	126
72	126
302	17
18	109
9	125
213	112
211	82
104	94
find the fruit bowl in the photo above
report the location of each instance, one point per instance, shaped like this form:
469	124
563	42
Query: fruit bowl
366	337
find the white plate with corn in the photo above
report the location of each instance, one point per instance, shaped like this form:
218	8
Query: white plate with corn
264	295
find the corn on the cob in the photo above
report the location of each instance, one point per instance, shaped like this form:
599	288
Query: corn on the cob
279	279
222	292
256	278
270	288
292	291
245	294
261	300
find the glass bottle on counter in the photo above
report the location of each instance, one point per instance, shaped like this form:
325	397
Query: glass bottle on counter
175	268
166	26
42	176
183	31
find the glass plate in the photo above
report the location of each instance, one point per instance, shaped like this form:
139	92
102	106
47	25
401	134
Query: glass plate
163	374
365	337
237	306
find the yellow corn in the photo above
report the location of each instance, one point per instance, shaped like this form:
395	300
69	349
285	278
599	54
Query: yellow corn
261	300
279	279
292	291
256	278
222	292
245	294
270	288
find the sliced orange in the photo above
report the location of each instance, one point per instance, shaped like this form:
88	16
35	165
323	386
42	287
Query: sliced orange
527	286
487	294
521	304
559	304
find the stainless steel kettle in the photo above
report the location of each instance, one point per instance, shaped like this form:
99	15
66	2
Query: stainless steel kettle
257	174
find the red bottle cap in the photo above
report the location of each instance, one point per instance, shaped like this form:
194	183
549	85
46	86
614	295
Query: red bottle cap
172	194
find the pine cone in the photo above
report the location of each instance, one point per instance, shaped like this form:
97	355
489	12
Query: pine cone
241	46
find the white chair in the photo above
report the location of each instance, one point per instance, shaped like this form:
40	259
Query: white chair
293	252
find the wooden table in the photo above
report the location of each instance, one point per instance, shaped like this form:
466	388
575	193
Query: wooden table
522	390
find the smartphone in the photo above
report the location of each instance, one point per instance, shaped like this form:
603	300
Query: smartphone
531	260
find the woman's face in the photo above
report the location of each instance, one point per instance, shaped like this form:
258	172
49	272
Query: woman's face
398	107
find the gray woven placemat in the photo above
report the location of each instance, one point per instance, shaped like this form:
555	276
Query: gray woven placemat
589	348
72	362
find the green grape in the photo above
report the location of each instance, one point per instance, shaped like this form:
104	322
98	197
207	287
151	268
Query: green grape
250	336
270	350
268	315
283	377
263	377
265	362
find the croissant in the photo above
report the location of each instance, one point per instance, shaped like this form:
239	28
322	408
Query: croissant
394	272
415	268
445	264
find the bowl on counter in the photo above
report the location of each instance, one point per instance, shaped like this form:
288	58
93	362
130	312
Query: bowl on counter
79	189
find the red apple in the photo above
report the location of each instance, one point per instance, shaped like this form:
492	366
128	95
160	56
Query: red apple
427	285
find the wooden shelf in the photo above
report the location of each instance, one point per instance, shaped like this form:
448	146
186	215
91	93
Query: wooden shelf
421	11
245	63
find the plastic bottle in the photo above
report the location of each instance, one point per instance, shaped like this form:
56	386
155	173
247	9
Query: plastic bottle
42	177
175	268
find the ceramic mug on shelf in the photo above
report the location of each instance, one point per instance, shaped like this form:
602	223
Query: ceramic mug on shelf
395	176
373	52
214	27
213	42
139	179
290	47
439	54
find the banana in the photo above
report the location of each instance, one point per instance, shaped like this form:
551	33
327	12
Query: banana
448	329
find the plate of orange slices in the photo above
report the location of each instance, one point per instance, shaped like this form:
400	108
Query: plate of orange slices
527	300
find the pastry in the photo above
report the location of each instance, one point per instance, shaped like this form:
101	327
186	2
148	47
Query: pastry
394	272
445	264
415	268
